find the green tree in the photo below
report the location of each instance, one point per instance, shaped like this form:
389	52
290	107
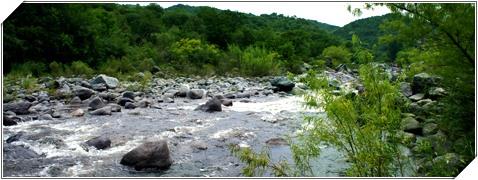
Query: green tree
339	55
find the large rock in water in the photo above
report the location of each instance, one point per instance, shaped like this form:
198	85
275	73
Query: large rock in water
211	106
102	111
7	121
196	94
20	108
110	82
183	90
100	142
151	154
96	103
84	93
282	83
18	152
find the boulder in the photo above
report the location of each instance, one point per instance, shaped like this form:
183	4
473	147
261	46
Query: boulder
20	108
276	142
282	83
77	112
7	121
411	125
144	103
436	92
123	101
16	137
100	142
417	97
151	154
423	81
196	94
18	152
226	102
199	145
128	94
130	105
114	107
416	109
102	111
430	129
230	96
243	95
46	117
84	93
219	96
96	103
211	106
183	90
110	82
107	96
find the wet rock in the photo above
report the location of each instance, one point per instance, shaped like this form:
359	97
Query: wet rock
219	96
226	102
16	137
110	82
18	152
416	109
230	96
282	83
7	121
183	90
107	96
77	112
56	114
199	145
276	142
210	106
102	111
76	100
84	93
128	94
417	97
245	101
46	117
30	98
151	154
411	125
99	87
100	142
144	103
168	100
130	105
58	143
123	101
20	108
96	103
196	94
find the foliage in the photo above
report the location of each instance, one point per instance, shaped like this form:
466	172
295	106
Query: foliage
253	61
81	68
339	55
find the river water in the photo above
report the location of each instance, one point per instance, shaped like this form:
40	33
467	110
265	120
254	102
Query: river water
248	124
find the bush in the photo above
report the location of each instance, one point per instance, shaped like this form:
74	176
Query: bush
80	68
33	68
339	55
255	61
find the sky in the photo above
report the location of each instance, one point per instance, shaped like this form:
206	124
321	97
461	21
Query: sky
333	13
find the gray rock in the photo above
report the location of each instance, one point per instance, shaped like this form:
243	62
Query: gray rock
107	96
230	96
423	81
110	82
100	142
76	100
18	152
219	96
144	103
7	121
30	98
128	94
199	145
114	107
417	97
196	94
436	92
411	125
102	111
20	108
416	109
210	106
124	100
423	102
430	128
151	154
226	102
96	103
276	142
282	83
46	117
130	105
99	87
56	114
183	90
83	93
243	95
77	112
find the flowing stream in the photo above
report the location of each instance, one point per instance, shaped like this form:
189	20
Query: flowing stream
248	124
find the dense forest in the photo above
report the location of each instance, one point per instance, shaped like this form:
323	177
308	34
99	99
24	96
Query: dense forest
433	44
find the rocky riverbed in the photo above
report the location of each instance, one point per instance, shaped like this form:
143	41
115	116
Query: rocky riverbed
88	134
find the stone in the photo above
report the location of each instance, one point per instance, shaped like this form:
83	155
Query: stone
423	102
430	129
114	107
18	152
199	145
102	111
20	108
46	117
417	97
99	87
128	94
230	96
411	125
110	82
96	103
243	95
16	137
196	94
226	102
7	121
210	106
76	100
144	103
107	96
130	105
416	109
151	154
123	101
84	93
77	112
436	92
100	142
406	89
422	81
56	114
183	90
282	83
30	98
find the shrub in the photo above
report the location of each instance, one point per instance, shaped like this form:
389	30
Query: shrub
339	55
81	68
33	68
255	61
56	69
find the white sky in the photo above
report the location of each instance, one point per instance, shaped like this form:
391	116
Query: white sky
334	13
